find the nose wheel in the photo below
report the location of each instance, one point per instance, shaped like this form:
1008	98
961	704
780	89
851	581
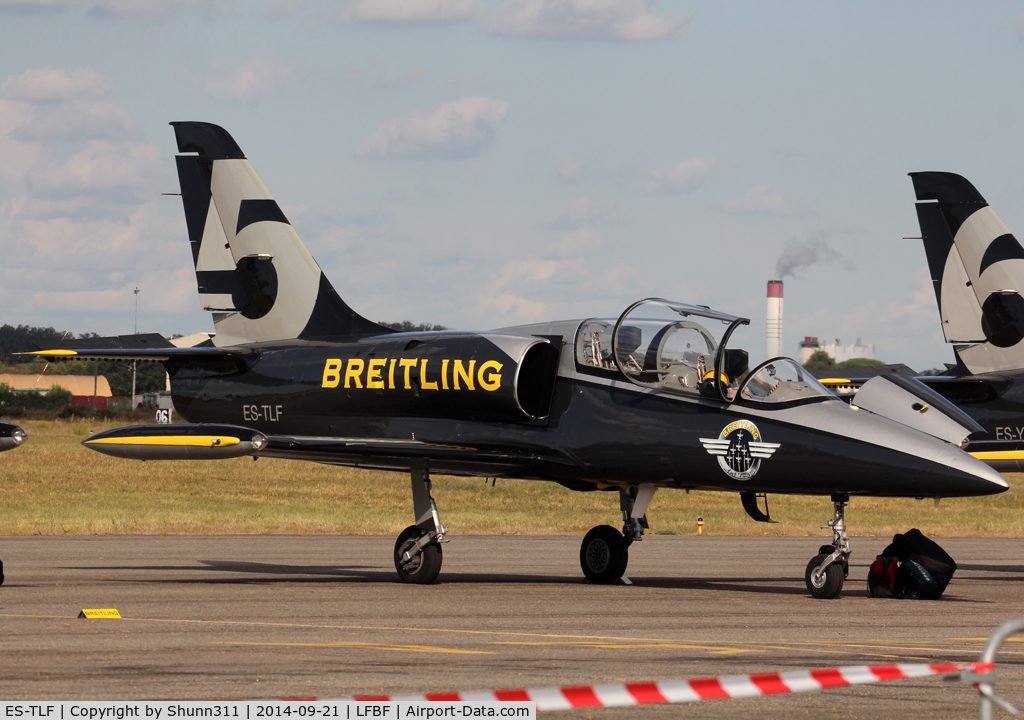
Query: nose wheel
828	569
604	555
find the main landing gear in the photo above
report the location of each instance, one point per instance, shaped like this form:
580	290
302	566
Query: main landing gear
828	569
604	552
418	548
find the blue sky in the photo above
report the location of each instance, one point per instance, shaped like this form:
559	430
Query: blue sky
486	163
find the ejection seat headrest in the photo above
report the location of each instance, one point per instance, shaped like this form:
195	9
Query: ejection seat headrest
629	338
735	363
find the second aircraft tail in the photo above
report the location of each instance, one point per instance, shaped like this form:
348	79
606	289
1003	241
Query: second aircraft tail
977	270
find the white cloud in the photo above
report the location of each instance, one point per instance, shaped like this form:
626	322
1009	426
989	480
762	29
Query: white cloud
251	81
50	84
457	129
759	200
427	12
578	212
129	9
589	19
153	9
78	120
682	177
56	103
28	5
579	243
570	169
101	167
79	210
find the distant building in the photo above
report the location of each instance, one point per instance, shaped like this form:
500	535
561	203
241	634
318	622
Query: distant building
836	351
75	384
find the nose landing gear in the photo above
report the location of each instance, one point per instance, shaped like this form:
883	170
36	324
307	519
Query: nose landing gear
828	569
604	552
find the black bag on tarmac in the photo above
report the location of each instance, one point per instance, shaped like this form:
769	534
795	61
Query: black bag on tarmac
925	568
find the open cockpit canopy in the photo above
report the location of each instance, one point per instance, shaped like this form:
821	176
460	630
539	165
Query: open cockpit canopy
684	349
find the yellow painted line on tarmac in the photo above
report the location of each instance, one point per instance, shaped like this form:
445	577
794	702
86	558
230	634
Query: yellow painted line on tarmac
902	650
712	650
367	646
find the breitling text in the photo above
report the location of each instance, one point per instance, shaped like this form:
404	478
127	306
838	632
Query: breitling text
400	373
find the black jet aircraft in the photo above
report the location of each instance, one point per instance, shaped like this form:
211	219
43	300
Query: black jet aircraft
660	397
977	271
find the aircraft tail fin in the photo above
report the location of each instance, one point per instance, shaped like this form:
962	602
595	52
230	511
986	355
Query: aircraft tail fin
977	270
254	273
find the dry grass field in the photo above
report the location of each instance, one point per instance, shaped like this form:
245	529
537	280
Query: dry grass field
53	486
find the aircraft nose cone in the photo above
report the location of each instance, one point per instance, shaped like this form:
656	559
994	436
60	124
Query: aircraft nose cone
872	455
972	471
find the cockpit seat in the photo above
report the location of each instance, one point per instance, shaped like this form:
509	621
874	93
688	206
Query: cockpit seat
680	375
735	363
629	339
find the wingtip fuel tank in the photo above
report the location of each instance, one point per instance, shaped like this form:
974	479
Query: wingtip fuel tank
11	436
199	441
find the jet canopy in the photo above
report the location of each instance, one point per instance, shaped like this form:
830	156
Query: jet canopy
683	349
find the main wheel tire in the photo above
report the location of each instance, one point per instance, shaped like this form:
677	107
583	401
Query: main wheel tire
604	555
829	584
425	567
828	550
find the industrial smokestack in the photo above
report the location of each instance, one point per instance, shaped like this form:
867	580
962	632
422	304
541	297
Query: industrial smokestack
773	328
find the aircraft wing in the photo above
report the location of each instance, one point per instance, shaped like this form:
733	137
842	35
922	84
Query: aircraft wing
401	454
201	441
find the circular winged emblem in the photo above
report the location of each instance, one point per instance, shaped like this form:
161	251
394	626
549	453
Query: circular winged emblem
739	449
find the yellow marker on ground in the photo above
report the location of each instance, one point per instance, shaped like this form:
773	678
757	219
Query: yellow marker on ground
100	614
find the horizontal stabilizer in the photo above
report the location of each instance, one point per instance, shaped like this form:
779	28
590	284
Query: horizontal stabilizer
158	354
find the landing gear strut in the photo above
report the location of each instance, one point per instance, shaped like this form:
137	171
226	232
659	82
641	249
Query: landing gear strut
828	569
418	549
604	553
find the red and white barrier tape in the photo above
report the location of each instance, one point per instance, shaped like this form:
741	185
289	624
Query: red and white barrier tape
680	691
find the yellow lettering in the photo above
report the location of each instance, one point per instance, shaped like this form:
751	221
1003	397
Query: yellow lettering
353	371
444	374
408	364
391	375
332	373
460	372
373	378
493	380
423	377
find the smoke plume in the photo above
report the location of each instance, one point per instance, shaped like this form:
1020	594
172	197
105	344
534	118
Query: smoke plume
805	253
